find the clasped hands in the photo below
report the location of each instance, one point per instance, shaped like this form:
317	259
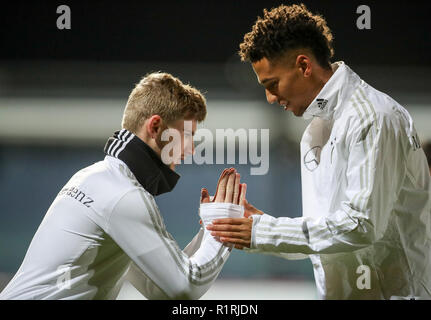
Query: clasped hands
231	231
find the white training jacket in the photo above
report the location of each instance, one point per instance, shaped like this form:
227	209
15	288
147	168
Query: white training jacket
365	197
104	228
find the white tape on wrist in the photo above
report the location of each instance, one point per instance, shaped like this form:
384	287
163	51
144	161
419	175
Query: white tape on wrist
219	210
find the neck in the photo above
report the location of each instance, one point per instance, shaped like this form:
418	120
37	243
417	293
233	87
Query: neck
141	134
322	77
326	75
153	145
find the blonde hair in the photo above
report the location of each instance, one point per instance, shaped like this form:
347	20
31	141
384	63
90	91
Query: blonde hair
165	95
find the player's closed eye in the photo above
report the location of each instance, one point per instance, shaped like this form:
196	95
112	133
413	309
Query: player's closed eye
188	136
273	86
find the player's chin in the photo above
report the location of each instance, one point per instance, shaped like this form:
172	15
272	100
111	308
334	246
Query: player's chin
174	164
294	111
291	109
298	112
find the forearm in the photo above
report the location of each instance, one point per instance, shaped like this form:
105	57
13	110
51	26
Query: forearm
180	276
139	230
195	244
341	232
143	284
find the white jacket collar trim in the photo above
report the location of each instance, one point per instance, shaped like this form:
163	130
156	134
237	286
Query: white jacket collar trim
338	88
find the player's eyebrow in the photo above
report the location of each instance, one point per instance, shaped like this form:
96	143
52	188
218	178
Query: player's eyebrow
266	80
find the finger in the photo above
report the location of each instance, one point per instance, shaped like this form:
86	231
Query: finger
233	235
230	186
205	196
235	241
235	198
223	173
249	210
247	213
221	187
231	245
242	195
225	227
231	221
200	221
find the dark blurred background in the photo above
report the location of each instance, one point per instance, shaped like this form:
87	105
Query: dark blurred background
62	93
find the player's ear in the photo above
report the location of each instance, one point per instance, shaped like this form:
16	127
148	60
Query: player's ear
303	63
153	126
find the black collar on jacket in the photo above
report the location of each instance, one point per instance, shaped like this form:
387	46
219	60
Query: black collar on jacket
155	176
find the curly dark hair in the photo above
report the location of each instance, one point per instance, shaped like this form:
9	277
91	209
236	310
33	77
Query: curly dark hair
285	28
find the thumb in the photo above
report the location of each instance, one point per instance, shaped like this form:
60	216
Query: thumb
244	203
205	196
249	209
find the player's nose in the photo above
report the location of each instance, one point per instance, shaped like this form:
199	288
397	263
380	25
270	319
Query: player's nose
271	98
189	149
193	148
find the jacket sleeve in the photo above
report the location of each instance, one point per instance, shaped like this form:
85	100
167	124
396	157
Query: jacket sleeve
161	270
148	288
374	172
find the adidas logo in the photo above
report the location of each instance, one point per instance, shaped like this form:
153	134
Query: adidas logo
321	103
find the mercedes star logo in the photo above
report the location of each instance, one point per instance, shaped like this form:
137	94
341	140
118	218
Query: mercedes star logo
312	158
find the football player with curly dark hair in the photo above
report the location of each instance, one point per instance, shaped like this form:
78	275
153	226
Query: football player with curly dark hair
366	191
285	40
